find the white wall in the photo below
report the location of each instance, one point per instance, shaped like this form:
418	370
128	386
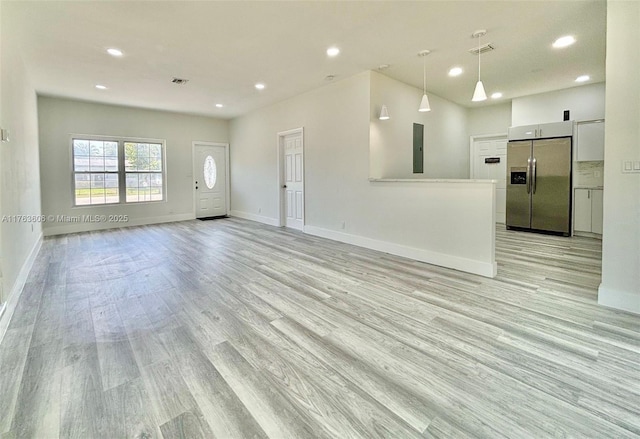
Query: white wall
620	286
449	224
584	102
446	143
336	156
58	118
3	62
492	119
19	172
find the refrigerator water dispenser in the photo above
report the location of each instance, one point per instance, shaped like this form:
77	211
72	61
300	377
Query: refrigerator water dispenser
518	175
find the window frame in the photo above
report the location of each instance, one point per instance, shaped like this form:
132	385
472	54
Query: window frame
121	173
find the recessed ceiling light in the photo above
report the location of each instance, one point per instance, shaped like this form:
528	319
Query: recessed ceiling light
259	86
101	87
496	95
219	105
455	71
582	78
333	51
383	66
114	52
565	41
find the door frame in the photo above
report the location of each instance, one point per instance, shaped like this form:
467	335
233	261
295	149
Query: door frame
227	194
282	220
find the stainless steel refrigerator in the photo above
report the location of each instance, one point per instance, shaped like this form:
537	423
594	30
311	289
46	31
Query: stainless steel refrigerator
539	185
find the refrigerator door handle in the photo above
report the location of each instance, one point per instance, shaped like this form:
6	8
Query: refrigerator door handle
528	182
534	176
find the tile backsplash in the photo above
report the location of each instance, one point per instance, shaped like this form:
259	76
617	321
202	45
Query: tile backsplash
588	173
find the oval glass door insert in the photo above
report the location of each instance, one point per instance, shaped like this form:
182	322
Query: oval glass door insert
210	172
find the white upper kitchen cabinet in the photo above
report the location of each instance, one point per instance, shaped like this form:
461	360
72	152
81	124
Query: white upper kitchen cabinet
590	141
541	131
523	132
556	129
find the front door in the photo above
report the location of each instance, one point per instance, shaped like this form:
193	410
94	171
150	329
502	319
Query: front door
293	180
210	179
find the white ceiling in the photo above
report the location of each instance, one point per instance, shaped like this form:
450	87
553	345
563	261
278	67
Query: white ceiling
224	48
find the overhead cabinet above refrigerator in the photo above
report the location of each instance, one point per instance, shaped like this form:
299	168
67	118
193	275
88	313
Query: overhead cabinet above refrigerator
539	179
541	131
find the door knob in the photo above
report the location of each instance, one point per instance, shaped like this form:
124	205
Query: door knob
196	187
284	186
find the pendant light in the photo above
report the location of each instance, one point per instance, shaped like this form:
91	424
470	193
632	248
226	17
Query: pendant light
478	93
384	113
424	103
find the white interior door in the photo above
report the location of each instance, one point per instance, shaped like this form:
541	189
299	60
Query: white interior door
210	179
293	178
490	162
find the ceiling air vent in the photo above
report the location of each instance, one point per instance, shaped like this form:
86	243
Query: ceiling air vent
179	81
482	49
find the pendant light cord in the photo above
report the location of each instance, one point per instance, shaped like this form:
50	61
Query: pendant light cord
424	72
479	56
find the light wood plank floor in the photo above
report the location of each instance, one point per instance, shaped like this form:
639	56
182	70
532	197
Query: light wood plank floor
230	328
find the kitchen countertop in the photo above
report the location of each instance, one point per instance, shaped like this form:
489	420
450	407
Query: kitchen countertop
588	187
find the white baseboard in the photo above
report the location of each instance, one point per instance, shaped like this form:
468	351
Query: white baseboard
257	218
18	285
588	235
88	227
622	300
481	268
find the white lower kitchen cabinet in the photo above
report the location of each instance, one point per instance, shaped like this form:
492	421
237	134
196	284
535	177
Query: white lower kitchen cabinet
587	210
596	211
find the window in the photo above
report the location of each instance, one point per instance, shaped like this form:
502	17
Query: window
95	165
102	168
210	172
143	169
